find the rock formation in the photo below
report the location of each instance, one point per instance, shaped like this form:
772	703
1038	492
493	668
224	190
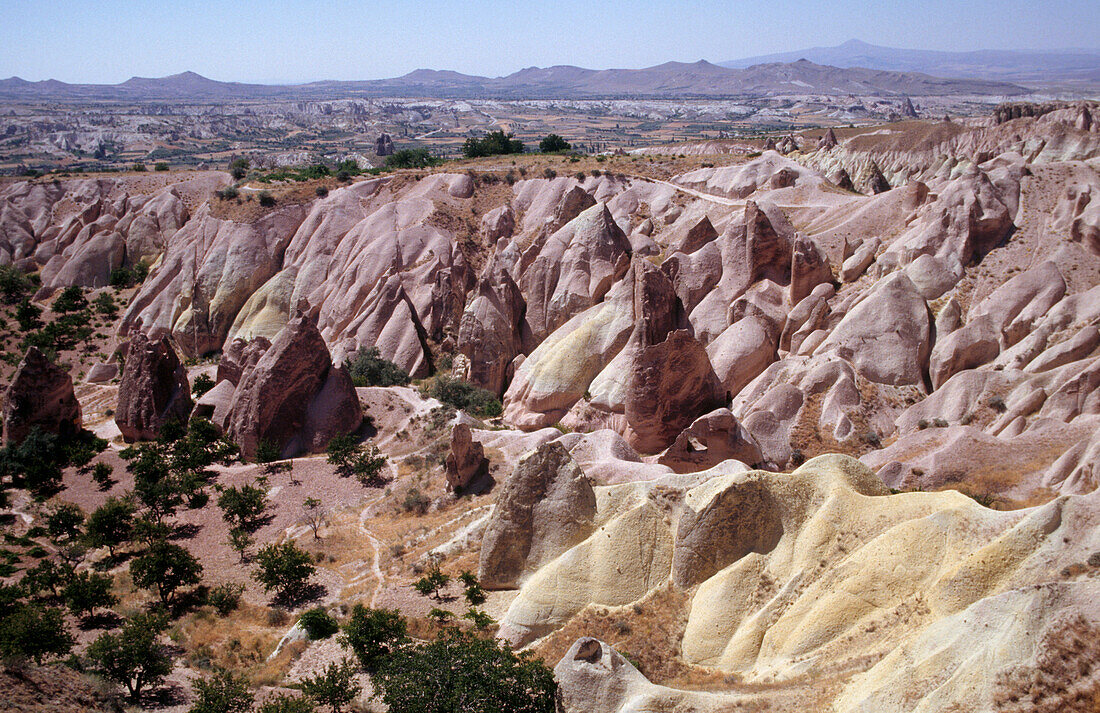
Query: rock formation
466	459
545	507
40	395
293	397
153	390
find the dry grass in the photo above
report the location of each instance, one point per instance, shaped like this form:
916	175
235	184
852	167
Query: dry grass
1064	679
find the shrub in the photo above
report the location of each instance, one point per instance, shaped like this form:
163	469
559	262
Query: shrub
105	304
14	284
319	624
335	686
368	368
352	458
373	634
203	383
553	143
581	175
283	703
160	166
285	569
238	167
460	671
549	173
463	395
122	277
997	404
223	692
266	199
321	191
140	167
33	632
228	193
493	143
27	315
225	597
416	501
133	657
411	158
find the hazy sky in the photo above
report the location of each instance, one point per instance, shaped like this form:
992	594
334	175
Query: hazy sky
303	40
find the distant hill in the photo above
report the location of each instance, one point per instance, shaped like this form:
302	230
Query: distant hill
669	80
999	65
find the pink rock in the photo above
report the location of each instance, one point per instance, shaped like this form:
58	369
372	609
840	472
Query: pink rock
154	389
40	395
711	439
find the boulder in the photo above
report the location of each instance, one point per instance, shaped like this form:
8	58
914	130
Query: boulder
383	145
154	388
466	460
828	140
101	373
40	394
239	357
711	439
214	404
842	179
333	411
696	237
545	507
767	252
858	262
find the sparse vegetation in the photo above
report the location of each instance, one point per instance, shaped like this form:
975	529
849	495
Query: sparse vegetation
318	624
463	395
350	457
368	368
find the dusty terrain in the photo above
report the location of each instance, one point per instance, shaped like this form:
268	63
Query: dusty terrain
803	420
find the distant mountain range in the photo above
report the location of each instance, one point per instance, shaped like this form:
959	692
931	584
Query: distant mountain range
669	80
998	65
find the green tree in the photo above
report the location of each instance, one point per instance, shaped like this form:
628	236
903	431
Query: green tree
460	672
492	144
71	299
553	143
334	687
239	541
480	619
132	657
411	158
368	368
203	383
372	634
285	569
64	522
474	593
30	631
105	304
46	576
27	315
432	582
165	567
14	284
222	692
88	591
314	515
318	624
111	524
363	461
238	167
244	507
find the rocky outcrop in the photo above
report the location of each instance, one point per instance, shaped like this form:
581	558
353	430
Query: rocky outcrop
383	145
545	507
809	268
40	395
153	390
711	439
672	382
292	397
573	269
828	140
466	459
491	331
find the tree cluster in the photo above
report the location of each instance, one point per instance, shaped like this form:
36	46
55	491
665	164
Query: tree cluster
494	143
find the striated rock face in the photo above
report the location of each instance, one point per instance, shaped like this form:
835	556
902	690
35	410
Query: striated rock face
292	397
154	388
672	382
491	332
40	394
545	507
466	459
573	269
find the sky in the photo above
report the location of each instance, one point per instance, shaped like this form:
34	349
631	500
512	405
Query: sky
288	41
